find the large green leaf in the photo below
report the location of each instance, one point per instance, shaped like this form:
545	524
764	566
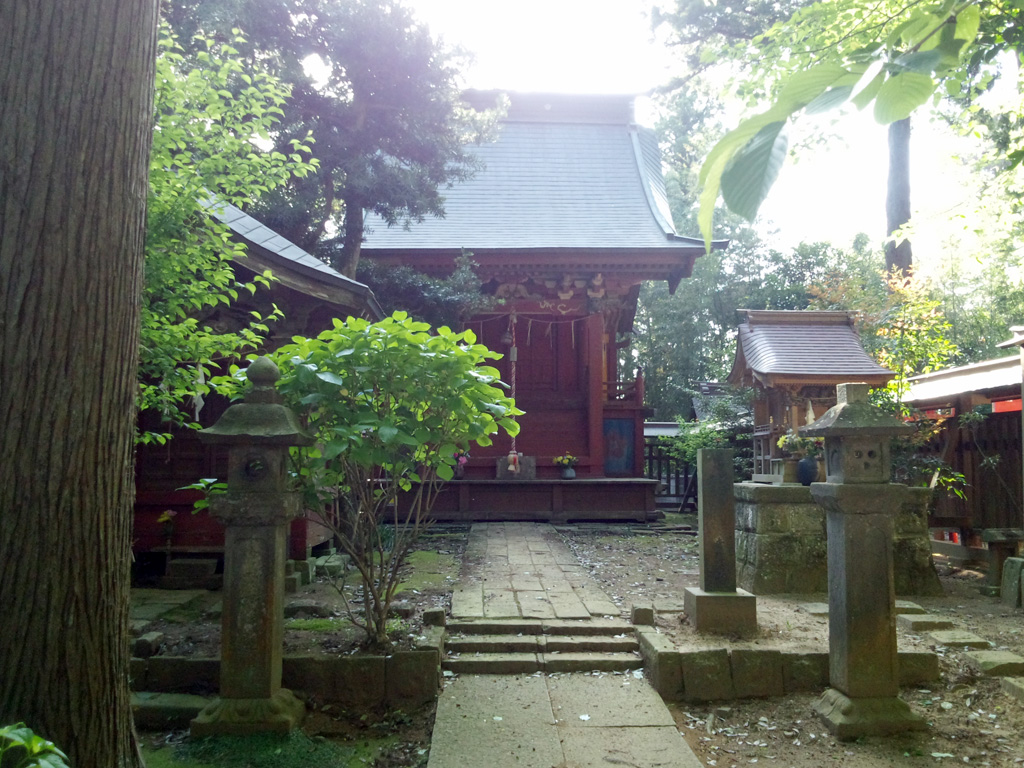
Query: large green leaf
901	95
753	170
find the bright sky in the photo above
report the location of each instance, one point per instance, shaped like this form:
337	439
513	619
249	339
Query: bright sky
606	46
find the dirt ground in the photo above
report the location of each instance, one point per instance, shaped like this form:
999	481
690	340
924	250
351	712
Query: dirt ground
970	719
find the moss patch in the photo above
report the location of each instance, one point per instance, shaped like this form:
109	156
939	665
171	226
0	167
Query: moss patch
431	572
268	751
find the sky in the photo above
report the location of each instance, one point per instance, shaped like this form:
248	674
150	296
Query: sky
606	46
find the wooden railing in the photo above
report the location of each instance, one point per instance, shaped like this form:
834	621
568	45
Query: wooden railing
678	480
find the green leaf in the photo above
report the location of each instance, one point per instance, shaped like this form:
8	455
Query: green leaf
830	99
753	170
868	93
330	378
899	96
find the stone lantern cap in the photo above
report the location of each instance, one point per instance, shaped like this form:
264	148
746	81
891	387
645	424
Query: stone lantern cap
853	415
262	419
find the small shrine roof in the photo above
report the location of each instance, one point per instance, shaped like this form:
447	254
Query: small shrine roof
999	376
780	347
291	265
570	173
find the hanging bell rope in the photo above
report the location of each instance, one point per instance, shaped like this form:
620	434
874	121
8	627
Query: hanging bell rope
513	354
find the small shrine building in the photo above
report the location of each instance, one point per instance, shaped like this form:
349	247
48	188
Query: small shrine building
794	360
311	295
565	219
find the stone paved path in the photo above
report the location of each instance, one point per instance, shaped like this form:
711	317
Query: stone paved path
521	571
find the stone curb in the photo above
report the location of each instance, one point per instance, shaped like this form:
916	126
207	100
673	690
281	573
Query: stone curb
403	679
721	674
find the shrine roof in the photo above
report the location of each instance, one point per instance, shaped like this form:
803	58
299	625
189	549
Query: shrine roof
999	376
566	172
792	347
291	265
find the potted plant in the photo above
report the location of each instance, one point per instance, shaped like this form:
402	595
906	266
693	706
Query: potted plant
461	459
567	461
805	453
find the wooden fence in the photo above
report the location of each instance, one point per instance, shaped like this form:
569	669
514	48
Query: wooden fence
988	454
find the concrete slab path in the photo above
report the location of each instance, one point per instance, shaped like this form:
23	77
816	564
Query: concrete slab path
523	571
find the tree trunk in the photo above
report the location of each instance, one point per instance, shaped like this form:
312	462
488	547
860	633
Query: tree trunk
76	85
897	198
353	243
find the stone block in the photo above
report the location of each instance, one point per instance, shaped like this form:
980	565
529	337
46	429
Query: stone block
913	568
815	609
804	671
707	675
178	674
147	645
352	681
917	622
996	663
292	582
917	667
434	617
759	493
165	711
1009	592
306	609
721	612
642	614
401	609
661	663
137	674
955	638
756	673
412	678
1014	687
432	639
906	606
853	718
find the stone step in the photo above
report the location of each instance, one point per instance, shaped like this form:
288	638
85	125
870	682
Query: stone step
610	627
520	663
541	644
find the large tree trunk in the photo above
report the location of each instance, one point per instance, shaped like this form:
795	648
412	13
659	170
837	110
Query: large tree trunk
76	92
352	245
897	198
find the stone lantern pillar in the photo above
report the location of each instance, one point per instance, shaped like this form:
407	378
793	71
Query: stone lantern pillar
256	511
860	503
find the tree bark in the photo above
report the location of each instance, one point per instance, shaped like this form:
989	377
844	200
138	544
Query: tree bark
76	89
352	245
897	198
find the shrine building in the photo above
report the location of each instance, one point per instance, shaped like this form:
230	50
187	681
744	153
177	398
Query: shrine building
565	219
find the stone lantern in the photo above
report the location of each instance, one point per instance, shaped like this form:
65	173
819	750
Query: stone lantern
255	510
860	504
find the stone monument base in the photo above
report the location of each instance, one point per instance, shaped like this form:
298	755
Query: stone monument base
849	719
723	613
281	713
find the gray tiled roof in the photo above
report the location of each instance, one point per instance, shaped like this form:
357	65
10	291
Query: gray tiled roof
1003	373
283	254
566	174
794	343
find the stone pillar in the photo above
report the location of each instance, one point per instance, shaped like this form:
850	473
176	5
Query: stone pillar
256	510
717	606
860	504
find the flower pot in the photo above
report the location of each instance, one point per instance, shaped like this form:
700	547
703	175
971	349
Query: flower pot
807	470
568	473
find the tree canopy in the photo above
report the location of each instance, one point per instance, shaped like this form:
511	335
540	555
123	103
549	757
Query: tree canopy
381	98
211	116
891	56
